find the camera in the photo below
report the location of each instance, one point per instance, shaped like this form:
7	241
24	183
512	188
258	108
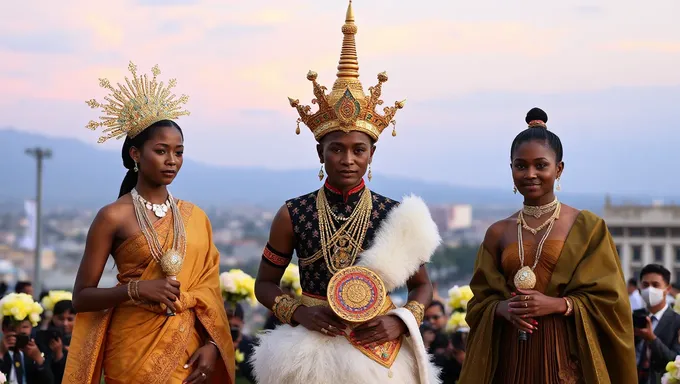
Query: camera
22	340
640	319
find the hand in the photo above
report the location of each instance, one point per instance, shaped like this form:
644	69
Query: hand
57	348
646	333
379	330
8	341
531	304
526	325
163	291
204	359
320	319
32	351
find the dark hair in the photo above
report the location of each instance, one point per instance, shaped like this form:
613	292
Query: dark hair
21	285
138	141
538	132
633	281
235	310
436	303
63	307
659	270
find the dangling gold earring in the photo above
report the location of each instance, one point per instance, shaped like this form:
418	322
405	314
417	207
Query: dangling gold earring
370	174
321	174
559	186
136	167
514	189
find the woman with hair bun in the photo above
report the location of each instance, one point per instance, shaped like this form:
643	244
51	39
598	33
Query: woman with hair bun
550	302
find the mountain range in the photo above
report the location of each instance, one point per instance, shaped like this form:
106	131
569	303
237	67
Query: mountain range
79	174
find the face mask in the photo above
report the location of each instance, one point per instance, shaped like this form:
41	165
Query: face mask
652	296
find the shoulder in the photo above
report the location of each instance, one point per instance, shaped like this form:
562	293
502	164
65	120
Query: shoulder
387	202
588	221
191	208
493	238
115	212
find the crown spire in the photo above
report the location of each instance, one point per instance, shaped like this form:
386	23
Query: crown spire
348	67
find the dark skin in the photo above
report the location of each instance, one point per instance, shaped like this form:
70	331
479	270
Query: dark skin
535	170
159	160
346	157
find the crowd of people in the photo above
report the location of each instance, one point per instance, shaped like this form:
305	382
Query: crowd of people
35	335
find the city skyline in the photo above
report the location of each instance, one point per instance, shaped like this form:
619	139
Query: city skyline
605	74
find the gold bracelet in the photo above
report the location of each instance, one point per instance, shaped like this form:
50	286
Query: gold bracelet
570	306
417	309
284	307
130	291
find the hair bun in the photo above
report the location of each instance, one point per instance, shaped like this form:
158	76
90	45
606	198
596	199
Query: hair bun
537	117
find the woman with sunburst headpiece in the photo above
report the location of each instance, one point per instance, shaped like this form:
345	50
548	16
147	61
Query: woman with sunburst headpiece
164	322
354	247
550	303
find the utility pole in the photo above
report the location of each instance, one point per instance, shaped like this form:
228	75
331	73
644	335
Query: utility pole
39	154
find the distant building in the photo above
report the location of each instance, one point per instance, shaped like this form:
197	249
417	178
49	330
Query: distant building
644	235
452	217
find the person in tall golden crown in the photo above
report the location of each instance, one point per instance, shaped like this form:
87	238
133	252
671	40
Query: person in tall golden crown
354	247
164	321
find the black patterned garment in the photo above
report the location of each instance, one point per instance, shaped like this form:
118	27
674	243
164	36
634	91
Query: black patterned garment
314	274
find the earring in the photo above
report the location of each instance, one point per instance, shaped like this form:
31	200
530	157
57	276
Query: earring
136	167
559	186
370	173
514	189
321	174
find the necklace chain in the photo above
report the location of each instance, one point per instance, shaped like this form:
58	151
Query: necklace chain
147	228
521	224
340	246
538	211
158	209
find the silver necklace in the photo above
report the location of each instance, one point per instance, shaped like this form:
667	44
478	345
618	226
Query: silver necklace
159	210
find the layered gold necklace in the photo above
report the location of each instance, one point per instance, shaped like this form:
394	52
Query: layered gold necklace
340	246
171	260
525	277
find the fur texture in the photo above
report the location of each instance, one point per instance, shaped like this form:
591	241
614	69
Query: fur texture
406	239
417	345
290	355
294	355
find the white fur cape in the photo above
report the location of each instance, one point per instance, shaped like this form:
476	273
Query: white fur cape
406	239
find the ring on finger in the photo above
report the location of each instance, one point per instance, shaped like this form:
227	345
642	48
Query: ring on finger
527	298
324	330
526	305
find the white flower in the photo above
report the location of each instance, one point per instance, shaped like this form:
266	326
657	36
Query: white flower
3	379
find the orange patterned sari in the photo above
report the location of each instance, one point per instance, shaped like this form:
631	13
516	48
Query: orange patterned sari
139	344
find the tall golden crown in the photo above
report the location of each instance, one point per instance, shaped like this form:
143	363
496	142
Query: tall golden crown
347	108
130	110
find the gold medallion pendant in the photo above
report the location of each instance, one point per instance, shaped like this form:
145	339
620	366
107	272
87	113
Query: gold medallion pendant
342	252
525	278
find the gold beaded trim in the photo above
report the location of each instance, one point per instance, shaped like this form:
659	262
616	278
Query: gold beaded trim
284	307
417	309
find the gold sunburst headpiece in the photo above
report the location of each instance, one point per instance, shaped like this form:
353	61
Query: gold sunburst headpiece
347	108
130	110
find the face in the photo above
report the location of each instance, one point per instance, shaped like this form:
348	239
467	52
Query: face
23	328
161	156
535	169
65	321
346	157
631	288
435	317
654	280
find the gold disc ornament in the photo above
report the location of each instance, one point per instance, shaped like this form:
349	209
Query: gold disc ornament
356	294
525	278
